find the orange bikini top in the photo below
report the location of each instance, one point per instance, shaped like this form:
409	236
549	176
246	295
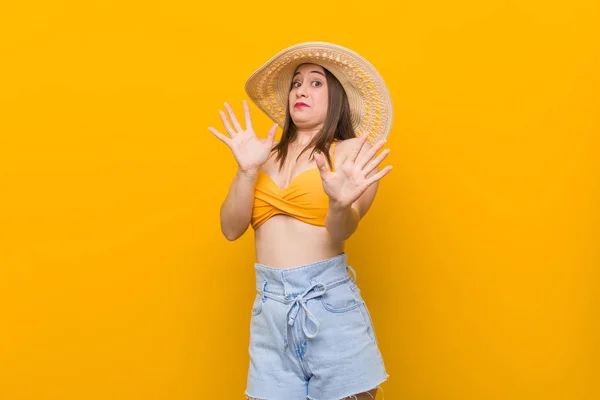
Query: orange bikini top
303	199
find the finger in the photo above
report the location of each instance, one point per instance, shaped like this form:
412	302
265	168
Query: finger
379	175
233	118
228	127
374	163
361	141
271	135
219	135
371	153
247	117
321	163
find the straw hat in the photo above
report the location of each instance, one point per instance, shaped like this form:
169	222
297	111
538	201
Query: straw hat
370	103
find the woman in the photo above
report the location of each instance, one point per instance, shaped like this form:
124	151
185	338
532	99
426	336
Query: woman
311	334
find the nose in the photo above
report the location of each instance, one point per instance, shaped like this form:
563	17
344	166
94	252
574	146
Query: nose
301	91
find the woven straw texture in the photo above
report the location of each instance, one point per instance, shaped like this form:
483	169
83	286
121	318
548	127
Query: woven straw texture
368	96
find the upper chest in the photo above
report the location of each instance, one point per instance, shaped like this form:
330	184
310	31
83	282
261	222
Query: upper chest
293	169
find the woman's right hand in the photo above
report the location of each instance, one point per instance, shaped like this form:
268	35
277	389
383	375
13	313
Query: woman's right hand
249	151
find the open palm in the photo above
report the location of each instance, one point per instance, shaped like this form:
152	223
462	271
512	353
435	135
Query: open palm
345	185
249	151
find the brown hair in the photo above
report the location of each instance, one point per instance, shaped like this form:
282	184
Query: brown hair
337	124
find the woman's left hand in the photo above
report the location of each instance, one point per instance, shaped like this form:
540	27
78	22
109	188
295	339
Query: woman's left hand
345	185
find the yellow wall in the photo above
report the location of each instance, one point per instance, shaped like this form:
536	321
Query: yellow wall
479	259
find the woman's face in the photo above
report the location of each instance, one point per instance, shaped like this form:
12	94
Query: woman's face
309	86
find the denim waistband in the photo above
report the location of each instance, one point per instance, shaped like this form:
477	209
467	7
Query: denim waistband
288	282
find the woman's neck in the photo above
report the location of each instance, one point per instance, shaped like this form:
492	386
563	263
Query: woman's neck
304	136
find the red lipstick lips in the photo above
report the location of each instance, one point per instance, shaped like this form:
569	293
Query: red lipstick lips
300	104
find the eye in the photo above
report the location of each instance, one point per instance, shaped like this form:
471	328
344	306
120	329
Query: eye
294	84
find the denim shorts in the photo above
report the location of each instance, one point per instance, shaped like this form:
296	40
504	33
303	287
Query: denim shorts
311	335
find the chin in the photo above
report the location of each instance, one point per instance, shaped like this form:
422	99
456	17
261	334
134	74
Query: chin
297	121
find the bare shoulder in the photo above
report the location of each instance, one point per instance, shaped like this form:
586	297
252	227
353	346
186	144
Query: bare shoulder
347	142
347	145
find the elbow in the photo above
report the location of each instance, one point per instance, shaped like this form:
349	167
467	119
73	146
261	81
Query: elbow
232	226
339	237
231	238
230	235
336	234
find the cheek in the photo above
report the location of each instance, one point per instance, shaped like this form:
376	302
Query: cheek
323	97
323	102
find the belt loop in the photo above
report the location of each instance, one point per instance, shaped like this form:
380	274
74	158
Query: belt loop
263	290
353	273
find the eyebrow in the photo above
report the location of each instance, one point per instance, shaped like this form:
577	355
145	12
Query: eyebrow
318	72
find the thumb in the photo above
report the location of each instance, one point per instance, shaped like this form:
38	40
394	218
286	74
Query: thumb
321	164
271	135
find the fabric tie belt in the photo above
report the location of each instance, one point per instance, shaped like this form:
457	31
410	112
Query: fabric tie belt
300	301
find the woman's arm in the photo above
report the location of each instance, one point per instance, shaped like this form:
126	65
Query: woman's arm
341	221
236	210
250	153
352	187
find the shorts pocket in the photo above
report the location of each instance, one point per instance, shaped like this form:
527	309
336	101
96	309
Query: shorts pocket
257	306
365	313
340	299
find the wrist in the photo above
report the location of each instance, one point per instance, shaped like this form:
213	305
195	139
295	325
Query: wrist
248	172
337	206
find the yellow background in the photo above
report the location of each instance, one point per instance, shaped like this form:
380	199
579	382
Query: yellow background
479	259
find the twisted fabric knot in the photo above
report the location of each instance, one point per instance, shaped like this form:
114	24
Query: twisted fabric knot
300	301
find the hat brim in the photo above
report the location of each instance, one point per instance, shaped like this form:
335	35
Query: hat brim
370	103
